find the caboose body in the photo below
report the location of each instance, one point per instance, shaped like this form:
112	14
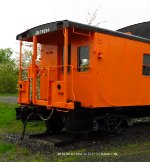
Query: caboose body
90	78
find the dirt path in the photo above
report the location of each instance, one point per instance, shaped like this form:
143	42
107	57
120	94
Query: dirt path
8	99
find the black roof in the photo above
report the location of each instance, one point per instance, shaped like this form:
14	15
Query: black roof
140	29
53	26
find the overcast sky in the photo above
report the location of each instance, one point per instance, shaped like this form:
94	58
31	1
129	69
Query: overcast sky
18	15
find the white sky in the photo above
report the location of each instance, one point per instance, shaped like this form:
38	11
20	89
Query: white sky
18	15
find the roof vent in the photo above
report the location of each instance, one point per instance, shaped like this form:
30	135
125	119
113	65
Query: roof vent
59	25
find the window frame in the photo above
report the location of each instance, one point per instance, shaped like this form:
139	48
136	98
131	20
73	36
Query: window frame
79	68
146	65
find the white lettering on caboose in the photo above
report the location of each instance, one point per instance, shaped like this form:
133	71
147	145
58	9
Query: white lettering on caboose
42	31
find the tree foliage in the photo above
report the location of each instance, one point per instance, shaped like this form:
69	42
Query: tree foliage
8	72
5	55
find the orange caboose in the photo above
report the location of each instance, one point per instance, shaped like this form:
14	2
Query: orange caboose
86	78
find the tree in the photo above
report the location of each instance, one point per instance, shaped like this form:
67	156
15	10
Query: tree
91	18
5	55
8	72
26	58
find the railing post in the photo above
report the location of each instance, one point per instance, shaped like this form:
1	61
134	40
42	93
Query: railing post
20	70
65	62
20	62
48	91
34	56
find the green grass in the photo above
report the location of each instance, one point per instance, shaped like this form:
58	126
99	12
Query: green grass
127	151
135	149
8	121
5	147
14	153
9	124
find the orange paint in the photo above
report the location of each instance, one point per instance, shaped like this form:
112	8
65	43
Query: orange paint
113	77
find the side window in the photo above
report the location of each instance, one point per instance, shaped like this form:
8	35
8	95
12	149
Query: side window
146	64
83	58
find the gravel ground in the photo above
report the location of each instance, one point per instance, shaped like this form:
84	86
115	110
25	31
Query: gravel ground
140	133
8	99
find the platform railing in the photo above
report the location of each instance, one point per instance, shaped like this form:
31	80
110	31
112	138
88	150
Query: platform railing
59	71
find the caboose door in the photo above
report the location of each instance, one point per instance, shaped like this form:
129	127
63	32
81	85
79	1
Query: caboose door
49	70
83	75
52	88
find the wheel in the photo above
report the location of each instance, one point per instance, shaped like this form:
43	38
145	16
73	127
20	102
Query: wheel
112	124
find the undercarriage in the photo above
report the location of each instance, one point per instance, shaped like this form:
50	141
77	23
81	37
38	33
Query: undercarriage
81	120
